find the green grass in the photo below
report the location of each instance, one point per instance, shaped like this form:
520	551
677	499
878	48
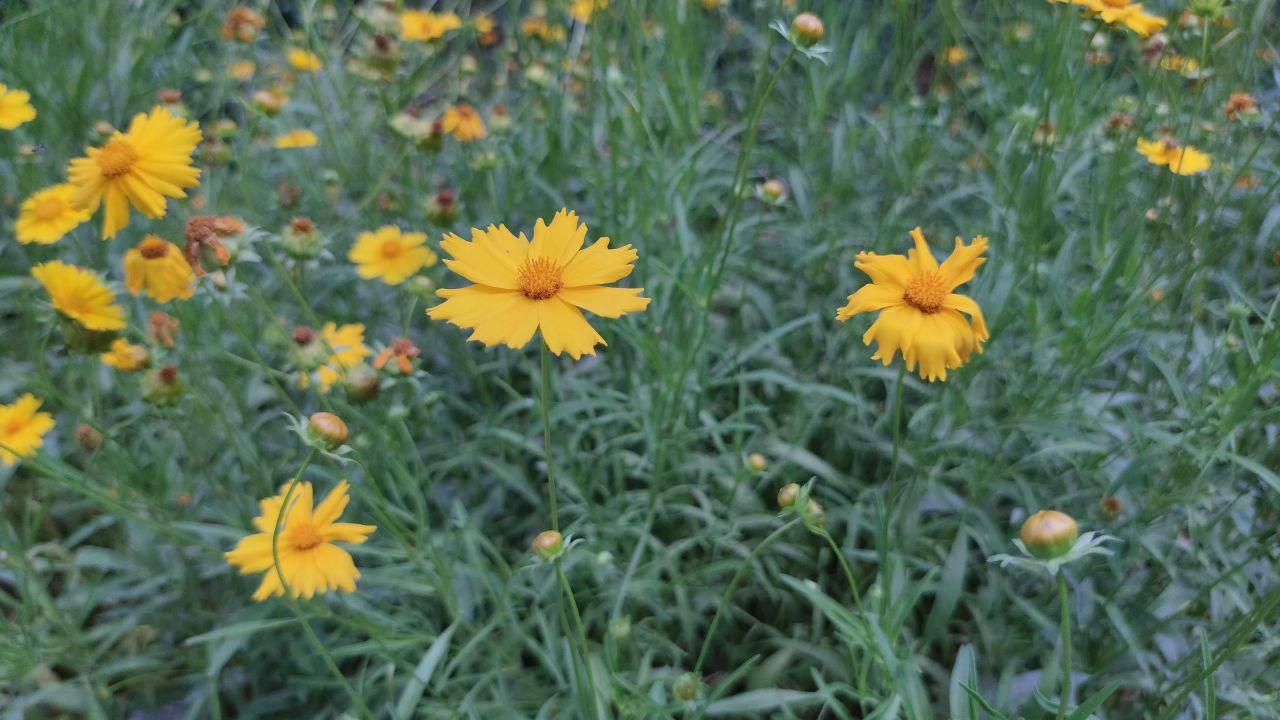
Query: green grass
115	600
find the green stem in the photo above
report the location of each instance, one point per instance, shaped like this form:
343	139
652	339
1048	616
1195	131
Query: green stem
728	592
582	635
293	601
546	436
848	573
1065	697
897	422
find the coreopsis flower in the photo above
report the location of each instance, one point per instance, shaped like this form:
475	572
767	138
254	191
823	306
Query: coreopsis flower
48	215
304	60
158	267
1181	64
309	560
15	108
538	28
463	122
920	316
346	349
242	70
81	295
427	26
1126	13
582	10
22	428
242	24
1240	103
956	55
1180	159
403	351
390	255
141	167
295	139
523	287
126	356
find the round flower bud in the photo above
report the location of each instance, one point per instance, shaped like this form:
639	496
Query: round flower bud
89	438
1110	507
1049	534
328	430
806	30
362	383
548	545
788	494
162	386
301	240
772	191
815	512
686	686
757	462
620	628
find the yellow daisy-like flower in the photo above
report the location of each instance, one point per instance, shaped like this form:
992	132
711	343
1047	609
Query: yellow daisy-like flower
126	356
1180	159
523	287
158	267
22	429
304	60
296	139
537	27
346	350
15	108
309	560
919	314
427	26
141	167
48	215
80	295
391	255
463	122
242	70
582	10
1125	13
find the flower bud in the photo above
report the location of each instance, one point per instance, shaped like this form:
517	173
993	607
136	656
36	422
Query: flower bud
301	240
328	430
806	30
548	545
1110	507
772	191
814	513
788	494
89	438
1049	534
442	208
620	628
362	383
162	386
686	686
757	462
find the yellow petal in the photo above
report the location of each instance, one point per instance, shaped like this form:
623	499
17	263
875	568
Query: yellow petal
959	267
496	315
484	261
599	264
893	330
331	507
969	307
560	240
869	298
610	302
885	269
921	257
565	330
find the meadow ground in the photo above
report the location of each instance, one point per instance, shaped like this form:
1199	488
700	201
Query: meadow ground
1117	169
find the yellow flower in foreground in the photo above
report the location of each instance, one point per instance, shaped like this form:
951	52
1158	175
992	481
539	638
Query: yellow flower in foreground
48	215
920	315
346	349
15	108
126	356
427	26
1181	159
295	139
158	267
1126	13
141	167
80	295
582	10
522	287
22	429
303	60
390	255
463	122
309	560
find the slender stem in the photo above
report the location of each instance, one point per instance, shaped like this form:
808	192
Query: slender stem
897	422
848	573
546	437
733	583
293	601
1065	698
582	634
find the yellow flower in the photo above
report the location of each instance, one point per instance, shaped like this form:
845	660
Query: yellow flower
241	70
158	267
141	167
80	295
582	10
346	349
522	287
296	139
920	315
126	356
483	24
390	255
427	26
1126	13
463	122
22	429
309	560
15	108
48	215
956	55
537	26
303	60
1181	64
1180	159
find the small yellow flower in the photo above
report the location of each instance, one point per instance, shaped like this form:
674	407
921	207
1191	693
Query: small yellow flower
296	139
582	10
242	70
1180	159
80	295
523	287
1126	13
15	108
483	24
463	122
427	26
390	255
309	560
140	167
920	315
537	27
22	429
346	349
48	215
126	356
956	55
158	267
304	60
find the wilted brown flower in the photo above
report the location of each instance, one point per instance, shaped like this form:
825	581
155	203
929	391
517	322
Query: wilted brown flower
404	352
203	233
242	24
162	327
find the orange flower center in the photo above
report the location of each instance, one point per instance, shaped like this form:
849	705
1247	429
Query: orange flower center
926	292
305	536
117	158
153	249
49	208
540	278
1115	3
391	249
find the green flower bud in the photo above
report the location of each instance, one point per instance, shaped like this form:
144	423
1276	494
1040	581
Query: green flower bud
806	30
548	545
1049	534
